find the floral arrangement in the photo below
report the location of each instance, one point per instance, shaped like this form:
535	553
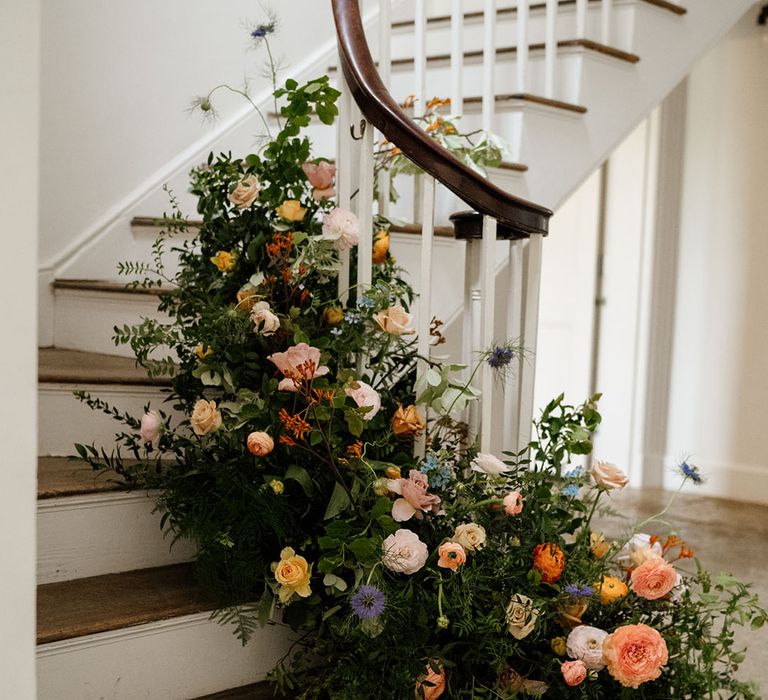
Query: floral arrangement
285	450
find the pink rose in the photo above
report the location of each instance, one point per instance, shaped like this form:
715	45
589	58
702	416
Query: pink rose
246	192
403	552
298	364
320	176
415	499
574	672
451	555
150	428
265	321
365	395
654	578
635	654
260	444
513	503
341	227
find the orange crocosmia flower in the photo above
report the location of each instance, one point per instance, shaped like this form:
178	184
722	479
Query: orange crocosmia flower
438	102
549	561
611	589
296	424
287	441
355	449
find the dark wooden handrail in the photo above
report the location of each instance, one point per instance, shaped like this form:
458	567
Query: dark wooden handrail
381	110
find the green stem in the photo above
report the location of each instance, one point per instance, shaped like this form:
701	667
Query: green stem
273	75
247	97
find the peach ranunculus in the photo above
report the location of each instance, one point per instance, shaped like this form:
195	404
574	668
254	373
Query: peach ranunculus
265	321
451	555
635	654
291	210
365	396
395	320
246	192
471	536
403	552
206	418
611	589
431	684
298	364
260	443
574	672
549	561
608	476
407	422
414	497
513	503
380	248
292	572
342	228
521	616
224	260
320	176
654	578
150	428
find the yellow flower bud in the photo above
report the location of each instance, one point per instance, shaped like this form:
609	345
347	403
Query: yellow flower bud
393	472
380	487
558	645
277	486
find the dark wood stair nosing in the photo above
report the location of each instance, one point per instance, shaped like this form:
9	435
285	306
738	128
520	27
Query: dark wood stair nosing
107	287
63	366
62	477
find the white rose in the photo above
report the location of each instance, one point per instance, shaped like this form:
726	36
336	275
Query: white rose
206	418
246	192
394	320
150	427
488	464
341	227
471	536
608	476
637	550
365	395
404	552
586	643
521	616
265	321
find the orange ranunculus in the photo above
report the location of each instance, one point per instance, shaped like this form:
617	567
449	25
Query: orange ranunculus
549	561
611	589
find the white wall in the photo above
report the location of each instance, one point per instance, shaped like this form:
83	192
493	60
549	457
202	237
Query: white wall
719	391
19	49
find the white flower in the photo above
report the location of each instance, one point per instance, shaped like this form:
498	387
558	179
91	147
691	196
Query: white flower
265	321
637	550
341	227
521	616
586	643
608	476
365	395
488	464
471	536
404	552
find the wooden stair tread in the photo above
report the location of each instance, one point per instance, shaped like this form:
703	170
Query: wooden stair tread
60	366
527	97
415	230
254	691
64	476
107	286
157	222
96	604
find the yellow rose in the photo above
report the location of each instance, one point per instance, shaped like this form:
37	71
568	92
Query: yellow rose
224	260
292	572
407	422
380	247
206	418
203	351
611	589
277	487
333	315
291	210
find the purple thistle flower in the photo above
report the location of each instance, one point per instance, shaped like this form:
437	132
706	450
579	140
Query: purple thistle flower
500	357
576	591
368	602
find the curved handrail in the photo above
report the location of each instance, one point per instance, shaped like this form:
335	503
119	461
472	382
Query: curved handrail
379	108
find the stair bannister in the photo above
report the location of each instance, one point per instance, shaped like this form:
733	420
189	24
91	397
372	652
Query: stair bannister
523	222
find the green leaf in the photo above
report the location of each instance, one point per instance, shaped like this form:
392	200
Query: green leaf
338	502
365	549
338	528
300	475
354	422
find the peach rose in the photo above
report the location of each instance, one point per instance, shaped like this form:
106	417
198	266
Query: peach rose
298	364
246	192
380	248
260	444
451	555
610	589
415	499
549	561
513	503
654	578
320	176
431	684
407	422
341	227
608	476
292	572
394	320
574	672
471	536
634	654
224	260
291	210
266	322
206	418
364	395
403	552
150	428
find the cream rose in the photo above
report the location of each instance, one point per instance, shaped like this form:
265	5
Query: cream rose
521	616
246	192
206	418
471	536
364	395
608	476
404	552
394	320
586	643
265	321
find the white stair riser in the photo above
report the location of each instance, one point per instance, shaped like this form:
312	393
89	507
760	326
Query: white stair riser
63	420
172	660
91	535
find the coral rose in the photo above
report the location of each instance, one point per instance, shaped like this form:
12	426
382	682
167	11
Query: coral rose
292	572
395	320
380	248
513	503
403	552
415	499
635	654
574	672
452	555
608	476
364	395
298	364
206	418
266	322
246	192
549	561
407	422
260	444
150	428
521	616
320	176
611	589
471	536
654	578
586	644
341	227
488	464
291	210
431	684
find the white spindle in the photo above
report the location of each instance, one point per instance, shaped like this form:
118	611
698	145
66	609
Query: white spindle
489	63
488	298
531	280
581	19
385	73
605	21
472	339
513	333
365	211
420	57
457	57
522	46
550	48
344	173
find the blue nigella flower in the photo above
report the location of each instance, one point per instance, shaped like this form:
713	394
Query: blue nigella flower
692	472
500	357
571	490
263	30
577	591
368	602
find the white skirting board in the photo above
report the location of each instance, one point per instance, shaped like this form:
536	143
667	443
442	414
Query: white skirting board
176	659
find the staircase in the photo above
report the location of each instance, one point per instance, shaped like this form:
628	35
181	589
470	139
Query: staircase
563	83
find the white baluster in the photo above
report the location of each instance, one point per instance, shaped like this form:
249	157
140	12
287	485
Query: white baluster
550	49
514	332
522	46
605	21
489	63
472	324
457	57
344	172
365	211
581	19
385	73
420	57
488	298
